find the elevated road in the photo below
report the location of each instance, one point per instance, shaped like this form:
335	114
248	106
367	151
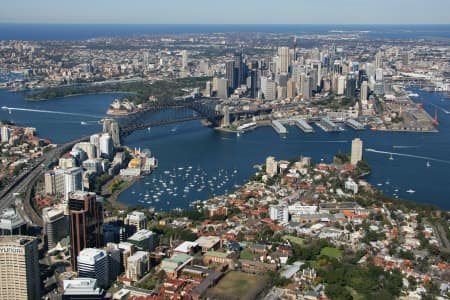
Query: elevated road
24	182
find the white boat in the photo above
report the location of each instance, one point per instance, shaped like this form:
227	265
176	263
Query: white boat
428	164
390	157
411	191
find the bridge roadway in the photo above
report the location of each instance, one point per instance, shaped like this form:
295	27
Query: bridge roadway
128	129
136	122
24	182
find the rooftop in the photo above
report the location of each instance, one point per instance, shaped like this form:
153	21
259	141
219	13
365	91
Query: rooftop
141	235
81	286
186	247
207	241
91	255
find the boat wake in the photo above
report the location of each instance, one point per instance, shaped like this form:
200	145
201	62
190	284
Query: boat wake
404	147
440	108
319	141
408	155
49	112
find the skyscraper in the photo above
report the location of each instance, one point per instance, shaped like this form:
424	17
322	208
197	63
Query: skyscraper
222	88
5	134
73	181
271	166
19	268
93	263
253	83
106	147
364	91
231	75
350	86
136	219
283	54
95	140
86	220
55	225
357	148
184	59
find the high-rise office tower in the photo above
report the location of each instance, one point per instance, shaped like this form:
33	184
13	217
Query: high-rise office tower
357	149
364	91
73	181
283	54
290	89
55	225
19	268
106	147
271	90
5	134
184	59
114	261
350	86
93	263
306	87
340	85
112	127
86	220
136	219
88	148
253	83
222	88
11	223
271	166
95	140
239	69
231	75
50	183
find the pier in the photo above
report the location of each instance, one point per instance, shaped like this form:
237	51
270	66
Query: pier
328	125
354	124
302	124
279	128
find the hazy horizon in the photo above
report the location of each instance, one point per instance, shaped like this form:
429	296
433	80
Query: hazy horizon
289	12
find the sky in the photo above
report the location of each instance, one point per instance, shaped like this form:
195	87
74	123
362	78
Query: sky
226	11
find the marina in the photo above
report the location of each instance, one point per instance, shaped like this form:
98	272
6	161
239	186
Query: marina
196	145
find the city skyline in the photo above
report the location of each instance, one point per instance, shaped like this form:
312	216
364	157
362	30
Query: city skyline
231	12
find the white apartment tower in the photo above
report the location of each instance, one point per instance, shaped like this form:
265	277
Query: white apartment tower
357	148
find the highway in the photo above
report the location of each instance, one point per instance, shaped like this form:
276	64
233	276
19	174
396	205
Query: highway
26	180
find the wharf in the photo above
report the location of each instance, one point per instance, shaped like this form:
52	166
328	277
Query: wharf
354	124
279	128
302	124
328	126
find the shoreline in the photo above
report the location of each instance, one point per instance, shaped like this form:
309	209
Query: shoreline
113	198
72	95
268	124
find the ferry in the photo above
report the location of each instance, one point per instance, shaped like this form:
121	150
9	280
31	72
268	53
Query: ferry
247	126
411	191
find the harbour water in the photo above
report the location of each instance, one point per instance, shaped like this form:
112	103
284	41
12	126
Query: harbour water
196	162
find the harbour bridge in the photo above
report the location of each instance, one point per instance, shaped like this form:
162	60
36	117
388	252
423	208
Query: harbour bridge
180	112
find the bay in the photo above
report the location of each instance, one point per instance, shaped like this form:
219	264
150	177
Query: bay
227	160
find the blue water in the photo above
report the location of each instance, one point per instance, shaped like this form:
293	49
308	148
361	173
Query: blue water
40	32
230	159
